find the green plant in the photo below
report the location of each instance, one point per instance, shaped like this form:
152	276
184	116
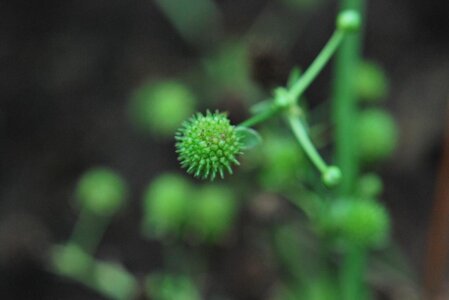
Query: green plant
344	208
324	248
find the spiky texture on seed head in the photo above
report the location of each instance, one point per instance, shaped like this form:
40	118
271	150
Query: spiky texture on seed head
208	145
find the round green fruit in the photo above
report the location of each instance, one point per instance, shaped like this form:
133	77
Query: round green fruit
208	145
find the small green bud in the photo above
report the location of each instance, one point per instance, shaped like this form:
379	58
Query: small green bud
101	191
208	145
212	212
166	202
332	176
161	107
361	222
349	21
376	134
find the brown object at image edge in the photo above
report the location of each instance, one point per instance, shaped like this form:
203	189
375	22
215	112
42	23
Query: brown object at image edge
438	235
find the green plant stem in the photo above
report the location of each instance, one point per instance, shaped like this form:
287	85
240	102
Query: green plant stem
344	103
303	82
89	230
304	140
344	115
261	117
317	65
352	286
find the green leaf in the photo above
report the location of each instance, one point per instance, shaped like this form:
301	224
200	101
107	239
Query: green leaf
250	138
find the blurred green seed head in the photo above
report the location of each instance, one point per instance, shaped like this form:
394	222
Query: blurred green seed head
161	107
168	287
71	260
114	281
376	133
166	201
212	212
101	191
361	222
371	83
208	145
282	161
320	289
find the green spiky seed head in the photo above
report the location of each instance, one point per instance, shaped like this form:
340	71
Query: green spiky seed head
208	145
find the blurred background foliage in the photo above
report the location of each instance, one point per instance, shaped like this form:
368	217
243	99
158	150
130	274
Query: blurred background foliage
92	93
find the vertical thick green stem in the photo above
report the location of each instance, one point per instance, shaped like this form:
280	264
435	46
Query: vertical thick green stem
354	264
344	115
344	102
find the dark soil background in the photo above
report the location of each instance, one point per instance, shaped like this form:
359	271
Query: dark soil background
67	69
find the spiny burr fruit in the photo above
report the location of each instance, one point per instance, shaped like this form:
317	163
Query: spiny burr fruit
208	145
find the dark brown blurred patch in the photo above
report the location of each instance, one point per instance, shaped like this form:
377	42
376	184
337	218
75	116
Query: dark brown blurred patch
268	65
